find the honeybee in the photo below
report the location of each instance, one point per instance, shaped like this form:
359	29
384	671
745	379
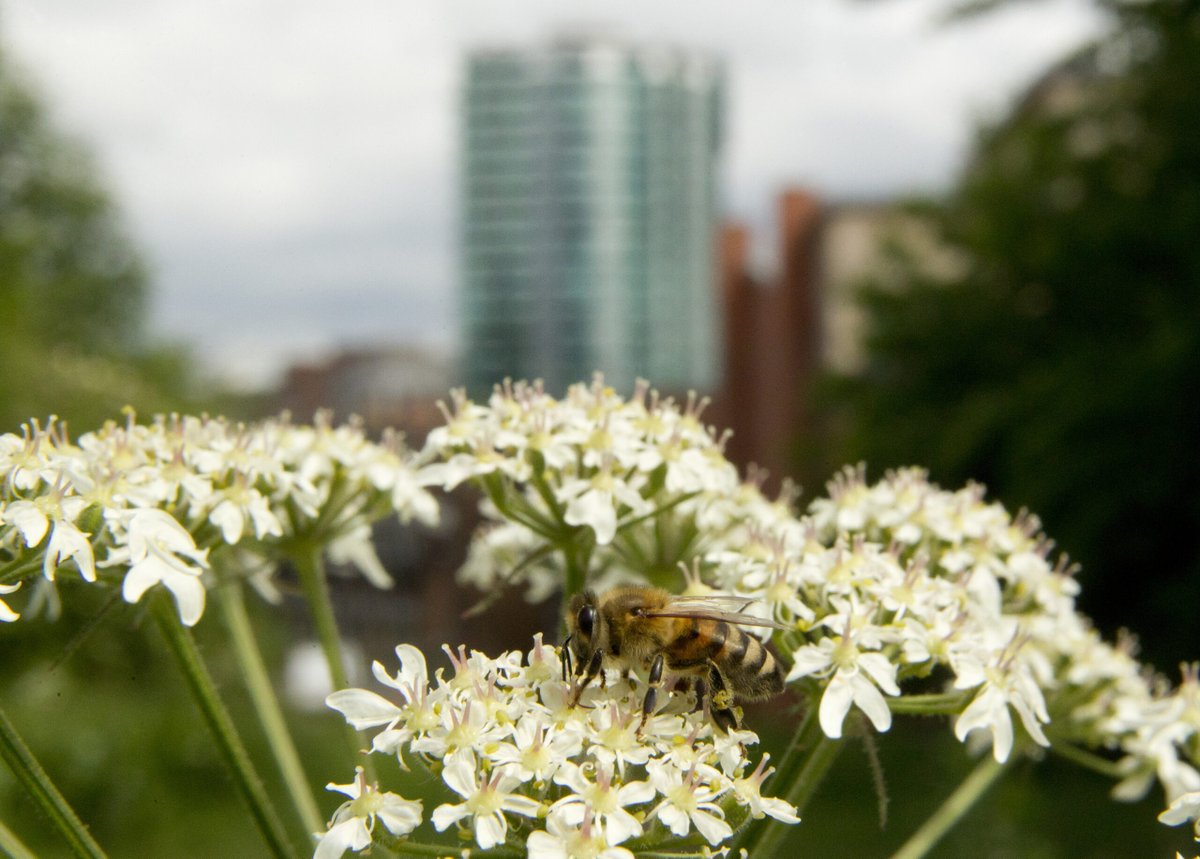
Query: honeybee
699	638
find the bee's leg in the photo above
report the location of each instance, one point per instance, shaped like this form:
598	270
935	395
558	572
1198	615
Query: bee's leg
720	701
589	674
654	681
701	689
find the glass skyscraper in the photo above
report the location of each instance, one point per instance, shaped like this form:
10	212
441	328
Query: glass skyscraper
589	219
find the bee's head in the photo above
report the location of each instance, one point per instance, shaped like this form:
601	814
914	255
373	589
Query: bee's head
582	623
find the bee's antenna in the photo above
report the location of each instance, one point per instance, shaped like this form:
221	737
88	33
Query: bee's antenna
567	668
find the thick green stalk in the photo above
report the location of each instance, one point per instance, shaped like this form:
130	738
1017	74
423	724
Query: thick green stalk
311	568
39	786
952	810
12	846
266	705
220	724
576	558
310	565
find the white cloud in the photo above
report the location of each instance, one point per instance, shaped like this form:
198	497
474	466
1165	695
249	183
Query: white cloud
277	157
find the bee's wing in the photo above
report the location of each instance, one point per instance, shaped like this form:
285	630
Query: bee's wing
714	607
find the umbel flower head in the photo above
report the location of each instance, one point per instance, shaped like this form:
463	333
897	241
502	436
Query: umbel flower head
887	589
590	466
134	505
520	764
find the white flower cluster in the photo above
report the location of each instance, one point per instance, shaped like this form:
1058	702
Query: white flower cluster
901	582
151	501
524	766
591	460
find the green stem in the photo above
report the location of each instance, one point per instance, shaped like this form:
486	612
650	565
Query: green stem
798	793
12	846
417	848
1087	759
820	759
942	704
39	786
576	558
266	705
311	568
538	479
657	511
953	809
204	691
20	568
801	770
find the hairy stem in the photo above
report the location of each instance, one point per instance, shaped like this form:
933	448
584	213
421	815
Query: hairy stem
39	786
233	751
266	705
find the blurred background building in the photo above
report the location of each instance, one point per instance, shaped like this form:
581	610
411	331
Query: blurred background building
396	386
589	214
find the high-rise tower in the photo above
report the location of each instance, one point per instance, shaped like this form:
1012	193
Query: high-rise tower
589	219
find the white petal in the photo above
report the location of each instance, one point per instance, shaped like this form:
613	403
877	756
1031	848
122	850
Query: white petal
363	709
142	576
1029	720
779	809
635	792
490	830
621	826
808	660
447	815
189	596
356	548
264	519
595	509
1184	808
714	829
835	704
459	774
348	835
29	520
67	541
870	700
882	671
229	518
7	615
412	665
543	845
518	804
675	819
400	816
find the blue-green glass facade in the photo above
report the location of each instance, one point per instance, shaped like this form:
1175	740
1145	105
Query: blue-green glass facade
589	216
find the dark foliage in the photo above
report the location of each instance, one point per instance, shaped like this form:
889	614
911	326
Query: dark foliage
1057	359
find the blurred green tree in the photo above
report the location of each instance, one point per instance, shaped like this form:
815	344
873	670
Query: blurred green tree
1053	351
72	286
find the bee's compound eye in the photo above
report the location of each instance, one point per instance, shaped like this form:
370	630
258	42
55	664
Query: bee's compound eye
586	620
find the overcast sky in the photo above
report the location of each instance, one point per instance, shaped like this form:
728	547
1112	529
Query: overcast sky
289	166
